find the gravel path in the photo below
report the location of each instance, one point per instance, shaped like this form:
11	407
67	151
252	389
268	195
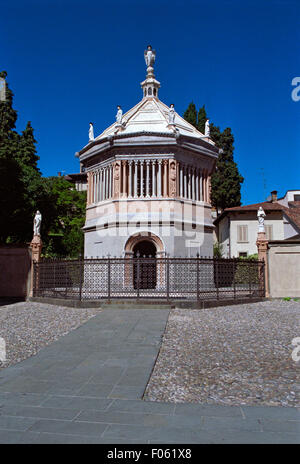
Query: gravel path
230	355
27	327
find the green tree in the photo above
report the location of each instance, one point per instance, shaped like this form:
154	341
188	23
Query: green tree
8	116
27	149
63	236
190	115
226	180
23	191
202	117
13	189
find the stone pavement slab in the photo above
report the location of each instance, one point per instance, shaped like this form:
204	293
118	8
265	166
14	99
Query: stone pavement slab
87	387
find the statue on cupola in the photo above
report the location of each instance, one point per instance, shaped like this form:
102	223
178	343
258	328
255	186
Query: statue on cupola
171	114
207	128
149	55
91	132
119	115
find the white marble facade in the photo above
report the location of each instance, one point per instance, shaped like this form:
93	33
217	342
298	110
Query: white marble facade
149	178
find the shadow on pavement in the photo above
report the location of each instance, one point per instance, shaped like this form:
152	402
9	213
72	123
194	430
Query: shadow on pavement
4	301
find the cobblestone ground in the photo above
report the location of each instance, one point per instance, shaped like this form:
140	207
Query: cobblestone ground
234	355
27	327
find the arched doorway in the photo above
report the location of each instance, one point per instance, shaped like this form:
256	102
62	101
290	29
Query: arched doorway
144	269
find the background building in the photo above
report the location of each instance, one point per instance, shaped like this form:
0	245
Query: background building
236	228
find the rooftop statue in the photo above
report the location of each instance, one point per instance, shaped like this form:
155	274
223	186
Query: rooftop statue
171	114
207	128
91	132
149	55
119	115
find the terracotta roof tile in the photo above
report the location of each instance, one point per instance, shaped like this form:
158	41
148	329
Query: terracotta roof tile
294	215
266	205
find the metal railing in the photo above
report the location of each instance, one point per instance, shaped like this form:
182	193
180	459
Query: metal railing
150	278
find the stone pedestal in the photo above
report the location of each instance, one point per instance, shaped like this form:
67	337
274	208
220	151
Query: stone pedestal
262	248
36	250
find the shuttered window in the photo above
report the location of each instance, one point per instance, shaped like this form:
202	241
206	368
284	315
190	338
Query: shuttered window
242	233
269	232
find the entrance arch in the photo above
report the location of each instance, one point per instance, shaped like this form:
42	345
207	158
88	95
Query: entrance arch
140	237
144	269
144	248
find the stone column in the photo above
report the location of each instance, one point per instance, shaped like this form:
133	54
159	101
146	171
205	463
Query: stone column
200	185
130	180
189	183
135	178
197	184
153	179
92	187
204	185
262	249
181	180
98	184
207	192
109	181
88	197
141	178
102	185
209	189
193	183
124	189
159	179
147	178
165	183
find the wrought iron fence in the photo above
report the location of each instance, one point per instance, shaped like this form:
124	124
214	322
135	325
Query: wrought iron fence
149	278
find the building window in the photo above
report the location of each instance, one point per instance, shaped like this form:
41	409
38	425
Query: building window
242	233
296	197
269	232
243	254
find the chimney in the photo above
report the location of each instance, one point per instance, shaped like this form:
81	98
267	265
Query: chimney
59	174
274	196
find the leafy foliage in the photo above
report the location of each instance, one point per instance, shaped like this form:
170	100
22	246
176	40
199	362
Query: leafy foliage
226	180
190	115
202	117
218	250
64	236
23	190
21	179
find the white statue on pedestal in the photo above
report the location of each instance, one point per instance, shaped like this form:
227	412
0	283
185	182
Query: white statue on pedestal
37	223
149	55
91	132
172	114
261	219
119	115
207	128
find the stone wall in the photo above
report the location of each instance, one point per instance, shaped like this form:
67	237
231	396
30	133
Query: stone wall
284	268
15	267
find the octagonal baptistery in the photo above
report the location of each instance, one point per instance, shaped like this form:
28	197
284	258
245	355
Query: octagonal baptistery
149	182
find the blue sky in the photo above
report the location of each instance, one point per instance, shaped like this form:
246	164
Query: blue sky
71	62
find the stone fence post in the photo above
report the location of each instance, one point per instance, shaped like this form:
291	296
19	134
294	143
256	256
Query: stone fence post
262	248
36	249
